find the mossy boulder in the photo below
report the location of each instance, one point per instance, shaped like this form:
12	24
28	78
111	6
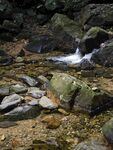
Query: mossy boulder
76	95
108	131
92	39
67	31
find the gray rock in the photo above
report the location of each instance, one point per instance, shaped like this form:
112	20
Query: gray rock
18	88
91	145
47	103
29	80
22	112
34	102
36	92
86	65
108	131
11	98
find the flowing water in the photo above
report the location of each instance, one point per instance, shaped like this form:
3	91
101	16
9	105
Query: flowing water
74	58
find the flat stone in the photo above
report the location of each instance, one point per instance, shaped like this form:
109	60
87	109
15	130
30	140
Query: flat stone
29	80
47	103
35	92
18	88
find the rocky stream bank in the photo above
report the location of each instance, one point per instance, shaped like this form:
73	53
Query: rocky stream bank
53	105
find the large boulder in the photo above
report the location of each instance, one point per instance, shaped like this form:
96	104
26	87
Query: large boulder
97	15
108	131
104	56
66	30
42	44
77	95
92	39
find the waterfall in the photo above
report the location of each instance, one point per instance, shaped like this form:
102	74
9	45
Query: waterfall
74	58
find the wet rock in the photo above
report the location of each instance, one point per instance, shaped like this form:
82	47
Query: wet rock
51	121
47	103
86	65
5	59
77	95
48	144
92	39
91	145
42	44
104	56
108	131
29	80
7	124
22	112
35	92
18	88
10	102
66	31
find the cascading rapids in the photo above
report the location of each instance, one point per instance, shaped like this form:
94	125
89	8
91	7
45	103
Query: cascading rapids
73	58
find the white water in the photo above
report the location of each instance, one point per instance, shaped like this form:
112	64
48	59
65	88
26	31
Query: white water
74	58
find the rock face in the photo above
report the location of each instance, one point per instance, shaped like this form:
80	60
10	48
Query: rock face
108	131
91	145
66	30
104	56
77	95
92	39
